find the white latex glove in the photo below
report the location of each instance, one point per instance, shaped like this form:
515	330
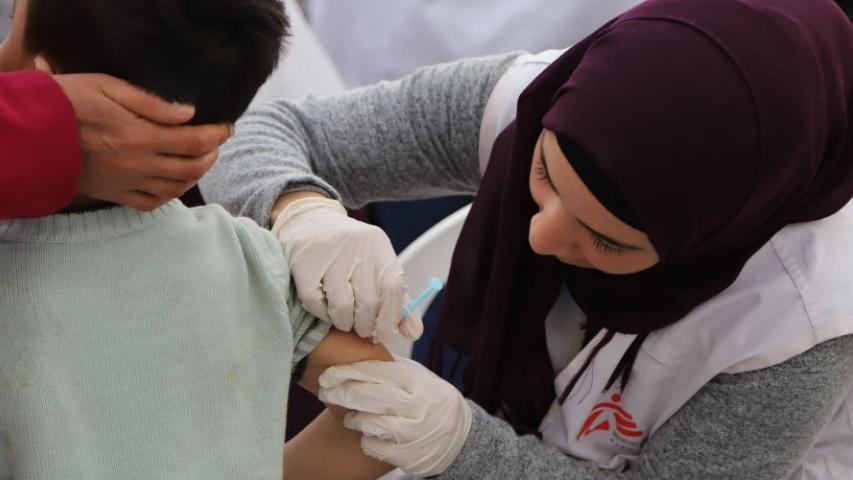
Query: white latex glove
409	417
346	271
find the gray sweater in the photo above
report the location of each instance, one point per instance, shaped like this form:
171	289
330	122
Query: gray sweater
418	137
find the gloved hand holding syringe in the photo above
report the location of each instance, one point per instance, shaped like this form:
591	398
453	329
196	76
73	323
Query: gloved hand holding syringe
345	271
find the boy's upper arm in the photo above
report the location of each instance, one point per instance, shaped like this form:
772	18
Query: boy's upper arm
312	337
307	331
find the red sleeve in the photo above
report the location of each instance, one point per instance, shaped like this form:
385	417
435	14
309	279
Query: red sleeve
40	156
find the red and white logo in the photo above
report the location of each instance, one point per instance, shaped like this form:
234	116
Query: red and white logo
611	417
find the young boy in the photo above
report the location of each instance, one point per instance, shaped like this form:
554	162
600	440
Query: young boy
159	344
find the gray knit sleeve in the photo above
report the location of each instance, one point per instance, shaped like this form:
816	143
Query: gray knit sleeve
412	138
753	426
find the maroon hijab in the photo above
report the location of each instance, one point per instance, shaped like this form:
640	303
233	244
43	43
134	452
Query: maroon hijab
719	121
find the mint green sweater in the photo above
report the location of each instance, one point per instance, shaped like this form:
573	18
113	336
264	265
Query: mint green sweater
146	345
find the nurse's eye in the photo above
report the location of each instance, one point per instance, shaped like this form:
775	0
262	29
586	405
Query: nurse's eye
604	246
540	169
541	173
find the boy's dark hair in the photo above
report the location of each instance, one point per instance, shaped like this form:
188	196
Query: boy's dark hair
214	54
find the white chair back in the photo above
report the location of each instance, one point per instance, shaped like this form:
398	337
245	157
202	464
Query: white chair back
429	256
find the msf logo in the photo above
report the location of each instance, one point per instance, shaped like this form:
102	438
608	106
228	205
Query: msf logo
611	417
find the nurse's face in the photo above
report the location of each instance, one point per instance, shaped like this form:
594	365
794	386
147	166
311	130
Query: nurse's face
573	226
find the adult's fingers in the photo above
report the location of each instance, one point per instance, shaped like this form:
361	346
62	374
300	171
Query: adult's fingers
382	427
369	371
145	104
366	300
311	295
392	298
386	322
165	188
374	398
41	65
377	448
189	169
411	327
191	141
341	300
140	200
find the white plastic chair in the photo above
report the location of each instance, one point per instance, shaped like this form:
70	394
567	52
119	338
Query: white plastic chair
429	256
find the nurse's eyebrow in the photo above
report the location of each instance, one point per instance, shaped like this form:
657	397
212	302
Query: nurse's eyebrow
607	239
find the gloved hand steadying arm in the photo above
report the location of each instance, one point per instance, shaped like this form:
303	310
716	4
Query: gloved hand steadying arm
409	417
345	271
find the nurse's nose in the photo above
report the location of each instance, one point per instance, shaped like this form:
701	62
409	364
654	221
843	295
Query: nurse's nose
573	252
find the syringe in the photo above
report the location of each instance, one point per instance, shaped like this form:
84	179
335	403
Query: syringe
434	286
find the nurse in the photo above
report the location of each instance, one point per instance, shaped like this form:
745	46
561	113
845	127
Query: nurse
654	279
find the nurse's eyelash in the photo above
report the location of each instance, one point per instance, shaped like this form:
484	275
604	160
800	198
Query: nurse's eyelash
541	173
540	169
604	247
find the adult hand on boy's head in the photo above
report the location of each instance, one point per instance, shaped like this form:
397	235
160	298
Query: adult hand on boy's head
136	150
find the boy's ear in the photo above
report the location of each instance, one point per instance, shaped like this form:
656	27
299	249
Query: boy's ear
41	64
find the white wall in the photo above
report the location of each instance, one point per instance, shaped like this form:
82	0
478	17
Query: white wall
5	22
372	40
305	69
